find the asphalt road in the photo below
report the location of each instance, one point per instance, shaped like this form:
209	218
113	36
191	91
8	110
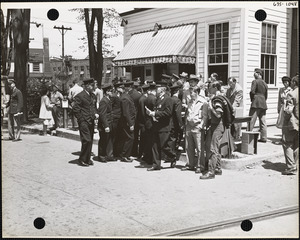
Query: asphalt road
40	178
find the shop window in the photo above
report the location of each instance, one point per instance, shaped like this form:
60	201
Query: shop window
268	52
218	50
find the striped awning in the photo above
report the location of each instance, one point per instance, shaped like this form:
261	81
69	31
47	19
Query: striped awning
170	45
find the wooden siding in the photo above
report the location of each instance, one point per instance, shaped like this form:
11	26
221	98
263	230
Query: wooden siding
252	53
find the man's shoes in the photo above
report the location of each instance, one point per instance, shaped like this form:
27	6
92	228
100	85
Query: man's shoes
102	159
125	159
289	172
81	163
17	140
90	162
208	175
10	138
261	140
218	171
154	169
173	164
187	168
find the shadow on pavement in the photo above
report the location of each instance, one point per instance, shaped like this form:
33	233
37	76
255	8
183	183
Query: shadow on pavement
75	161
279	167
276	141
76	153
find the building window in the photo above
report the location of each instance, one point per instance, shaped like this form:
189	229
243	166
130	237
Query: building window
268	52
218	50
36	67
59	68
88	68
76	68
82	68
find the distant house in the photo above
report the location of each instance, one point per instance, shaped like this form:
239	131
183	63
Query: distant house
79	68
38	62
228	41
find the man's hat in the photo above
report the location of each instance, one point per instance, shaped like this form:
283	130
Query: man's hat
152	85
107	86
161	84
175	87
194	77
165	76
215	75
258	70
11	80
218	107
136	84
88	81
175	76
286	79
184	75
145	87
128	84
119	85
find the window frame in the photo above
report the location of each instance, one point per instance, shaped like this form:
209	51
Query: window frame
34	65
276	24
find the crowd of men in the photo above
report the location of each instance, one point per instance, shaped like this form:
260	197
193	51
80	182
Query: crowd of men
148	121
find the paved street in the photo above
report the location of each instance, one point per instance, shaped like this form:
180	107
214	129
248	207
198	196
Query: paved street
41	178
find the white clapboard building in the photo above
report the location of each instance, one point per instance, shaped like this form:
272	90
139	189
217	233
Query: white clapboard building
228	41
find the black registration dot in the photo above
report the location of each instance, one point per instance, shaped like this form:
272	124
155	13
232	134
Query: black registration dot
260	15
53	14
39	223
246	225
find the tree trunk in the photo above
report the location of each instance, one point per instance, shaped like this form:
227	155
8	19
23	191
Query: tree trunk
95	55
21	25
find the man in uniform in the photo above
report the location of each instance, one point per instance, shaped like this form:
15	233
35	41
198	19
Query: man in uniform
258	96
105	145
176	121
127	120
15	105
150	104
161	126
85	111
141	119
135	95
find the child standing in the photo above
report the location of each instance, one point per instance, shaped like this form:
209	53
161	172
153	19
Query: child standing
46	110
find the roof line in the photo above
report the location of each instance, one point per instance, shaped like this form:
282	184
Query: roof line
151	30
136	10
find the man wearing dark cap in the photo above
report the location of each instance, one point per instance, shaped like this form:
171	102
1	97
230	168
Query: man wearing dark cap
127	121
15	109
135	95
85	111
176	121
105	124
141	119
258	96
116	115
149	104
161	126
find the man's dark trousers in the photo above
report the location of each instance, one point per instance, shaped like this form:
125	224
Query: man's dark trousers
86	130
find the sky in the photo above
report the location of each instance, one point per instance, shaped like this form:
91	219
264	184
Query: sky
67	19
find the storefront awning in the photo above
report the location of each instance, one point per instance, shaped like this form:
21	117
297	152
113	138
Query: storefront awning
170	45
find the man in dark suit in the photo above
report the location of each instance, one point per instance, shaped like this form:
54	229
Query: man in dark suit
176	124
127	120
161	126
258	96
135	95
105	125
116	115
85	111
150	104
141	119
15	106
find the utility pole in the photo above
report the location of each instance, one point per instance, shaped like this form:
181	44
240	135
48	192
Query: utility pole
63	30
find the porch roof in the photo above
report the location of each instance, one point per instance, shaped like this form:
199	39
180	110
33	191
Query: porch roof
169	45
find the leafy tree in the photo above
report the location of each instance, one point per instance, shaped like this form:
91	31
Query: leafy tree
20	25
101	25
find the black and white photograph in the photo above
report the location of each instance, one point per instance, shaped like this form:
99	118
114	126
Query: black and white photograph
150	119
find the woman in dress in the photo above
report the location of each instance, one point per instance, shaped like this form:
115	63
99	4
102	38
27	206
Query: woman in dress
286	81
46	109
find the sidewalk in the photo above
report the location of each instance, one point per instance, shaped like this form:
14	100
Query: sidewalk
271	149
